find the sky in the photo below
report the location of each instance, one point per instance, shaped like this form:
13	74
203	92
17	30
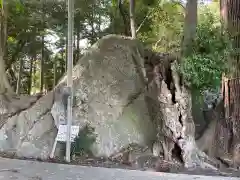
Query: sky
53	38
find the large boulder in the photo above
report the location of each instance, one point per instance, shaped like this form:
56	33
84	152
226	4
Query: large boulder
108	88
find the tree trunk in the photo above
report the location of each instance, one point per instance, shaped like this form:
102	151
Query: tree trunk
4	83
19	76
74	41
62	62
78	44
10	105
190	26
66	53
132	18
55	72
74	49
93	37
99	21
42	56
30	75
77	47
229	139
123	14
42	67
34	75
170	106
190	153
173	111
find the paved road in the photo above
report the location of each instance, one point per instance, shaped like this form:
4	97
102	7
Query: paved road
11	169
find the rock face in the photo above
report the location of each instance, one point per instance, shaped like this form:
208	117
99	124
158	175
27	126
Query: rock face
31	132
109	85
108	89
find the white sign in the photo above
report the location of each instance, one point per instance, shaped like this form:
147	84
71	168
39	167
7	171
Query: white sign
62	133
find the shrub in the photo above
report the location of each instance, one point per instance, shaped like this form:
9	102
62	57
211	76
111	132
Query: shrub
203	68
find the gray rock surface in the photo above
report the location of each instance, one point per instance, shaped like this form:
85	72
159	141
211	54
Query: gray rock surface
31	170
31	132
109	95
108	88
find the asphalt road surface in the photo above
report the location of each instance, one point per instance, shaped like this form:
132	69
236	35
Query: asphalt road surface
11	169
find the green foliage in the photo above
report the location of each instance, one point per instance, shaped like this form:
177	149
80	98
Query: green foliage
28	20
165	27
161	29
203	68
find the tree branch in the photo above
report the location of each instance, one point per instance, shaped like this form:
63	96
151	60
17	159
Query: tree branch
150	12
144	20
179	3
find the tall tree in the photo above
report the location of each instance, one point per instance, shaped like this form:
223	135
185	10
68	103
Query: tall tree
182	133
30	75
4	84
124	16
43	46
20	71
55	71
190	26
230	127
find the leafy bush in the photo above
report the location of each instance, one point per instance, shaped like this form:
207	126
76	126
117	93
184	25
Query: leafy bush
203	68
